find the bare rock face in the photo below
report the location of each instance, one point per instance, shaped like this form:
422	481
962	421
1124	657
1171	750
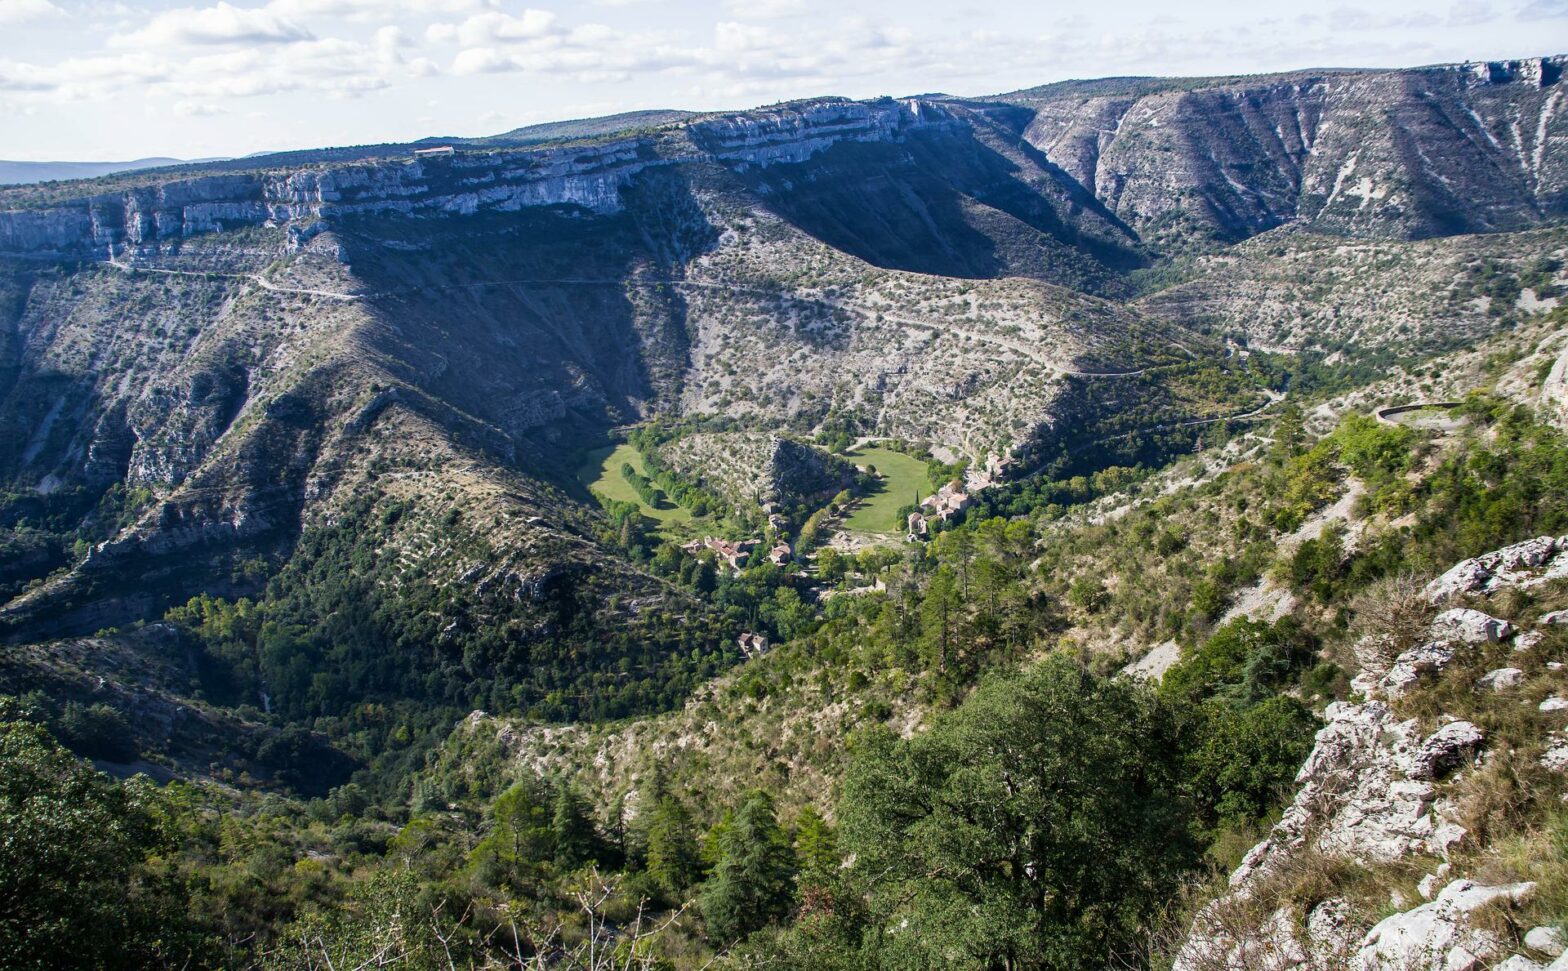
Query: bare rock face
590	177
1438	936
1341	151
1367	792
1531	563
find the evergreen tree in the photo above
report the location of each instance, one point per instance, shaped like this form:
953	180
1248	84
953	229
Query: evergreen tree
939	617
576	841
673	860
816	847
520	838
752	882
1040	825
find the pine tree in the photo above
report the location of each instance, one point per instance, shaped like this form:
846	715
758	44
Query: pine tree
673	861
576	841
752	882
816	848
939	617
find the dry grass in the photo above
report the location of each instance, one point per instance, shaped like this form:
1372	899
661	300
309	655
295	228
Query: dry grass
1391	616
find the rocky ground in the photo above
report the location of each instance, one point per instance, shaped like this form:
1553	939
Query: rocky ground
1400	790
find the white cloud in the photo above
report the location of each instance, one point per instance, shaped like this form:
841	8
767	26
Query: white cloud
494	27
1544	10
222	24
22	77
374	10
764	9
1470	13
331	66
198	109
26	11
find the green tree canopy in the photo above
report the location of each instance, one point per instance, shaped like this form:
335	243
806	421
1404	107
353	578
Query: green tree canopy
752	882
76	890
1040	825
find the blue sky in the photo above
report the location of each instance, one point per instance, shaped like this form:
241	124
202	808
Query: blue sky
110	79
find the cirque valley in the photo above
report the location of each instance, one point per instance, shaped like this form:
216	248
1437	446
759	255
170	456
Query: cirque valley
895	533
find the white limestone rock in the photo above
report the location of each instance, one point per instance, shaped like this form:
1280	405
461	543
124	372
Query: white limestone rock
1443	749
1469	627
1523	564
1367	792
1410	667
1555	758
1274	945
1556	618
1438	936
1554	703
1529	640
1330	940
1501	680
1547	940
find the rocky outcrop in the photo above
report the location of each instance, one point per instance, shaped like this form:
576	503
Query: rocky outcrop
1426	152
1441	935
1367	792
795	132
1524	565
1371	792
587	176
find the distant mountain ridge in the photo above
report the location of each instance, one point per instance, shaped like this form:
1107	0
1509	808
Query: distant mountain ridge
24	173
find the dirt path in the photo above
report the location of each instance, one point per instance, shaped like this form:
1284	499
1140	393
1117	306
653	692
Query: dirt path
256	278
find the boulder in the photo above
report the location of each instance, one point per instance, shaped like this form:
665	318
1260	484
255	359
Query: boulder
1555	618
1469	627
1464	577
1527	564
1438	936
1554	703
1555	759
1529	640
1518	963
1547	940
1411	666
1501	680
1444	749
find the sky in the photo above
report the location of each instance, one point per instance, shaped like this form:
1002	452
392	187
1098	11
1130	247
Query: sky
107	80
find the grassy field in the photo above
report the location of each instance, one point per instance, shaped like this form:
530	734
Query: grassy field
903	479
601	472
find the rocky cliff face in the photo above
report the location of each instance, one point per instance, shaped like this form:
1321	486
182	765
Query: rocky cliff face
1385	791
1416	153
588	176
1427	152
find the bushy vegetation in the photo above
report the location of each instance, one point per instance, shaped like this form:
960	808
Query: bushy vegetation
1045	815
